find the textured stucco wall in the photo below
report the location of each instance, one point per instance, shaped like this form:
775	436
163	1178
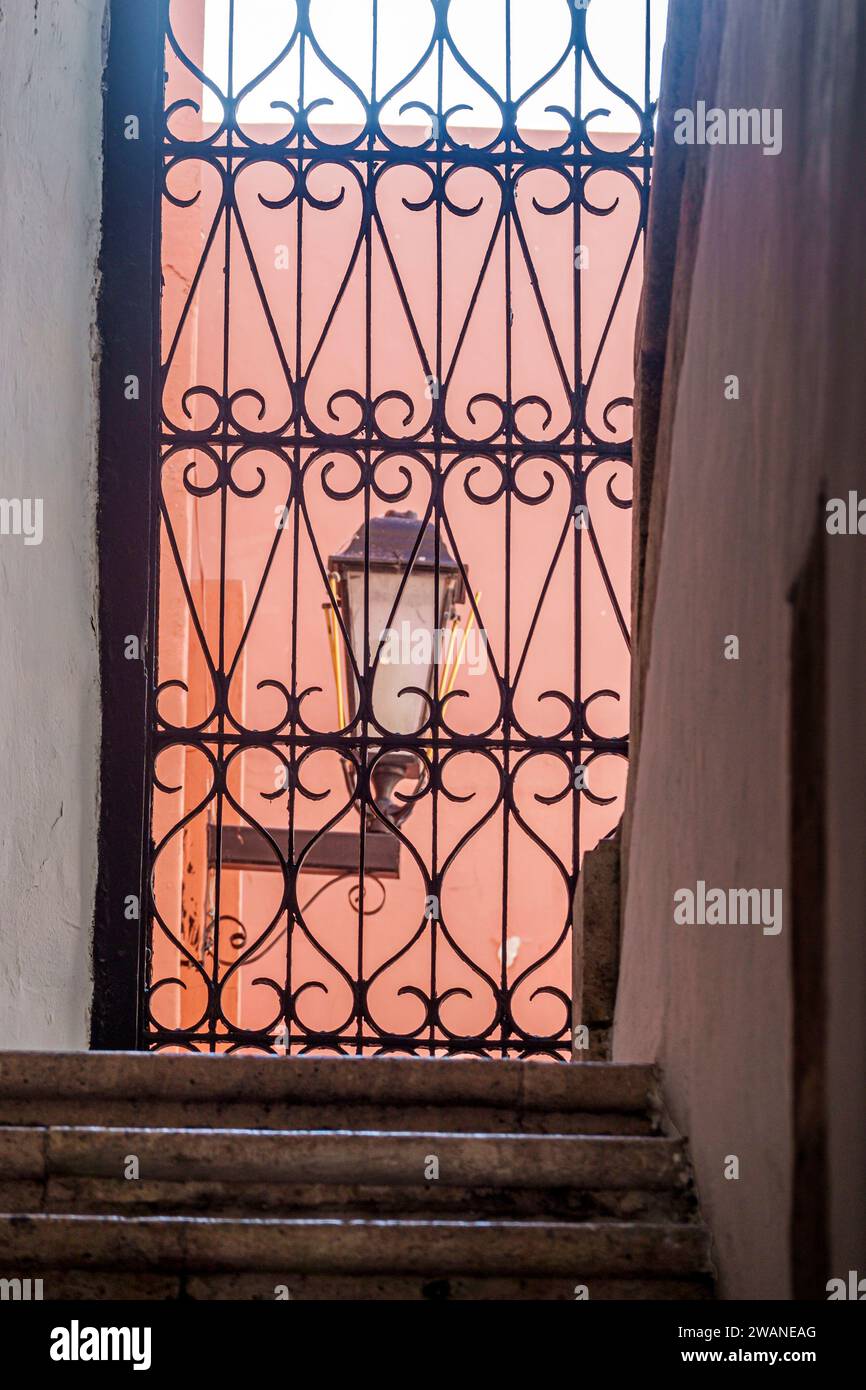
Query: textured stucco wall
778	299
50	169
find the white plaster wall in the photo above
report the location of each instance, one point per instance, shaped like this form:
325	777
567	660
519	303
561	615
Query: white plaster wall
50	196
778	299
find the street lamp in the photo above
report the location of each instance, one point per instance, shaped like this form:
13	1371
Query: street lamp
407	641
419	631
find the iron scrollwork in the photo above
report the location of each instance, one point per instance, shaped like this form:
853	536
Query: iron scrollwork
435	413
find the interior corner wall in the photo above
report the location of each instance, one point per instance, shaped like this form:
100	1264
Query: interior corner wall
50	198
777	299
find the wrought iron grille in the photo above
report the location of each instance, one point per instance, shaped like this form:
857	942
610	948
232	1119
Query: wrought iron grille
376	324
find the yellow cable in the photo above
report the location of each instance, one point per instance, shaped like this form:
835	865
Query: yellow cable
452	674
443	674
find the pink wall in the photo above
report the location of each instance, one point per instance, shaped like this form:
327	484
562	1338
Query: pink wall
715	1005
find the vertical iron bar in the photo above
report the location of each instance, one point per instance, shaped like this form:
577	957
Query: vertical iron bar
579	484
215	1002
508	466
366	750
437	408
297	456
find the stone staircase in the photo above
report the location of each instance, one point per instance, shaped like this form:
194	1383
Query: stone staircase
140	1175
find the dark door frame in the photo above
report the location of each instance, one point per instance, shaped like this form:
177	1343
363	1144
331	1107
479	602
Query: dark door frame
128	320
807	764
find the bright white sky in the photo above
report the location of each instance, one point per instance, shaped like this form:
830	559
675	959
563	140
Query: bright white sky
615	30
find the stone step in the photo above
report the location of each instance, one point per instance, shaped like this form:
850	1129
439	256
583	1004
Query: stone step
216	1091
100	1286
309	1176
434	1249
452	1119
339	1156
79	1168
107	1196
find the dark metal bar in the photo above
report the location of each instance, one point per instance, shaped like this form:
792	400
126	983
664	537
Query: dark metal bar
129	378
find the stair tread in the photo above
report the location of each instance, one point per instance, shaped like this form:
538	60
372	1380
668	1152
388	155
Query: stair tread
354	1156
101	1285
352	1132
96	1112
386	1223
330	1080
323	1244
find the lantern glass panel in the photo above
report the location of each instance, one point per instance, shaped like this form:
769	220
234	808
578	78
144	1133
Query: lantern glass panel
406	657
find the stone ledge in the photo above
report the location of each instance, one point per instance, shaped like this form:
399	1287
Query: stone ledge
83	1285
596	948
434	1248
137	1077
322	1157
